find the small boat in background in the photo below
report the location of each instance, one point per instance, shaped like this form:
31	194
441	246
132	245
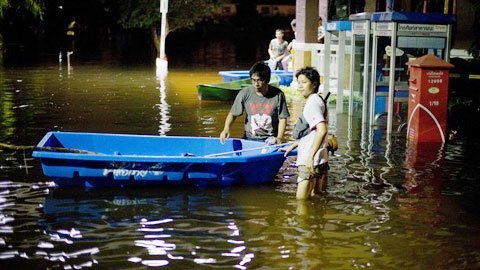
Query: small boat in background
99	159
286	77
228	90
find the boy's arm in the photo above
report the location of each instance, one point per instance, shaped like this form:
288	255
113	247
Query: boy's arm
289	148
317	142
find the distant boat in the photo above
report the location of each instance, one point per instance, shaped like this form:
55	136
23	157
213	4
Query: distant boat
99	159
286	77
228	90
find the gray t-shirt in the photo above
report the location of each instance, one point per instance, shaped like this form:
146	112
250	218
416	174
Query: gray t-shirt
262	113
277	47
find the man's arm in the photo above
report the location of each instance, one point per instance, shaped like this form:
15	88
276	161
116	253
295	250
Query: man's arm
270	50
282	124
283	114
225	134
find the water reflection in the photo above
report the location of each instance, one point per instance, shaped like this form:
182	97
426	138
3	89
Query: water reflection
381	208
421	161
189	228
366	163
163	106
178	227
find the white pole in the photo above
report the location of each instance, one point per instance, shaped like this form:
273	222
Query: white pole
68	62
352	74
373	75
366	75
161	62
326	62
340	70
447	47
391	82
163	11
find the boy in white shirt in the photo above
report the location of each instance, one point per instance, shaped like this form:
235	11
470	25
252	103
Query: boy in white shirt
312	159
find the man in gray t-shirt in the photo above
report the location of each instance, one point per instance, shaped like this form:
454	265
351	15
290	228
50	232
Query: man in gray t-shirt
265	108
277	49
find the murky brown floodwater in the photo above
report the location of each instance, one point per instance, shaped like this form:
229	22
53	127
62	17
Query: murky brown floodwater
384	209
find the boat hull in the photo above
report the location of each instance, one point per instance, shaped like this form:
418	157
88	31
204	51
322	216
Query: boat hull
215	92
226	91
99	160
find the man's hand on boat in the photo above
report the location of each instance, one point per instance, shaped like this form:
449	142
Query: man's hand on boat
224	135
273	140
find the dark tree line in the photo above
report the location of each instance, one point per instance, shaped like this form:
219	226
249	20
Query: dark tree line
22	21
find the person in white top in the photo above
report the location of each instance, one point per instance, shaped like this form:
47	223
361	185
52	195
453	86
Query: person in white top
289	57
312	159
320	31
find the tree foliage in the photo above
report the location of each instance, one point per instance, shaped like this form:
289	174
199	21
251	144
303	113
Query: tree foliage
20	8
145	14
181	13
3	6
34	7
475	48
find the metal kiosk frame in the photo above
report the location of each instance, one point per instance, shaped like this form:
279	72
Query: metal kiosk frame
430	31
360	27
341	27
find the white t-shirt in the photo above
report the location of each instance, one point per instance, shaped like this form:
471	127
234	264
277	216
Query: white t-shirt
315	112
320	32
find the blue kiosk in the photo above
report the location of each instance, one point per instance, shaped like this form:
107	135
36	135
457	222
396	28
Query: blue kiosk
336	30
398	37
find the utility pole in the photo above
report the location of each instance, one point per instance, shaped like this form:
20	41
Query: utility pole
163	11
161	62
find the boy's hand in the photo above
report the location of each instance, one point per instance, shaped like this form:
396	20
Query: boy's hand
287	149
309	165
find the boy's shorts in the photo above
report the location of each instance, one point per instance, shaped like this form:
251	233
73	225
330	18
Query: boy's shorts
304	174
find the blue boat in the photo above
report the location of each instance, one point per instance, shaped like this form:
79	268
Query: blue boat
99	159
286	77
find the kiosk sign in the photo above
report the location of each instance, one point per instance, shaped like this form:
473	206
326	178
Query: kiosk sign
359	28
331	26
434	81
408	29
384	29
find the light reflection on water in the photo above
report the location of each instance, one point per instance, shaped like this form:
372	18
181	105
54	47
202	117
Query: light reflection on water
385	209
163	106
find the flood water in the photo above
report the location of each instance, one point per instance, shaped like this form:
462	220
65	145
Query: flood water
384	208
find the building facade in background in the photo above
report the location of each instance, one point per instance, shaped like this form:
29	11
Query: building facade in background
341	9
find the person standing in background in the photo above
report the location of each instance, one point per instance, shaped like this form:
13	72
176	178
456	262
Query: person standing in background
289	54
321	31
277	49
71	31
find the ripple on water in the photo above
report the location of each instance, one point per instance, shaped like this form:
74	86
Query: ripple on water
381	209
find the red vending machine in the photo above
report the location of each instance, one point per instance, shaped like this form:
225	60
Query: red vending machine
427	101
